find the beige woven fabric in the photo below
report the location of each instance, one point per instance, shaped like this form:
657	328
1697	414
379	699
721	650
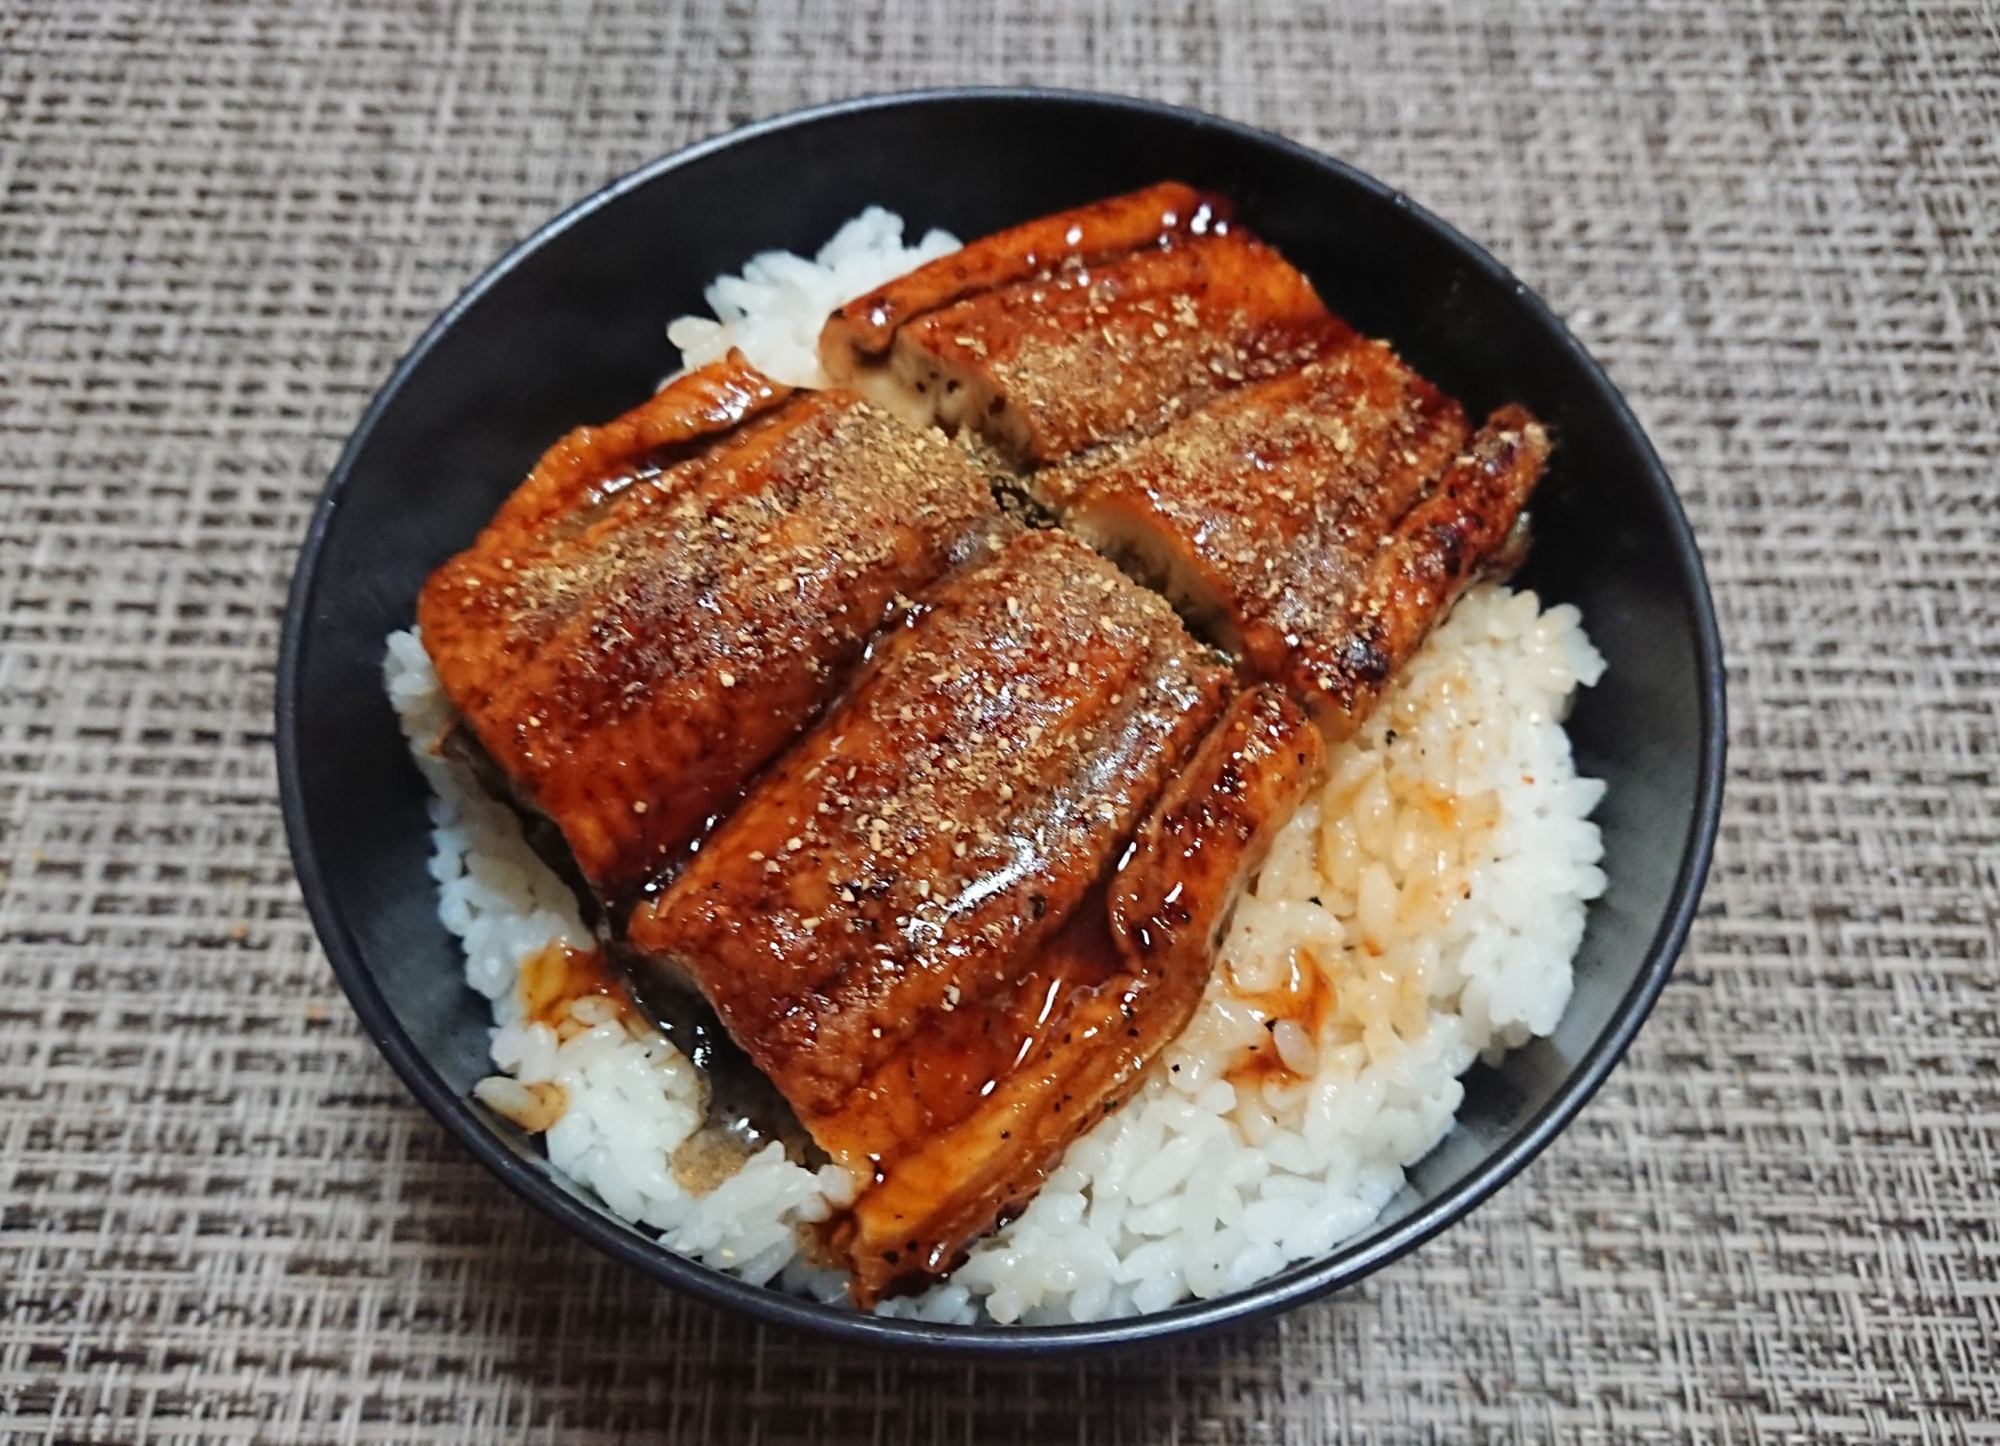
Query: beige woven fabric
221	1217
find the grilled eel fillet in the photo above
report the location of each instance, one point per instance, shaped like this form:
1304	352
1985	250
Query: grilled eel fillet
669	599
1258	513
1316	526
915	924
1082	328
944	818
1112	989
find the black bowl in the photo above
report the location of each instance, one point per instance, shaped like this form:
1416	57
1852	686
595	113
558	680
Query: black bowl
567	328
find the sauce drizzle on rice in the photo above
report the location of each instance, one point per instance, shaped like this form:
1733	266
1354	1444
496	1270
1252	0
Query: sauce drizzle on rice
1305	1001
556	978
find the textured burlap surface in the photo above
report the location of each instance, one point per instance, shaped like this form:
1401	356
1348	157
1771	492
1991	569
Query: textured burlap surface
222	1218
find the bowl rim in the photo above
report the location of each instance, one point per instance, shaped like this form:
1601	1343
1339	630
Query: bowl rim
1290	1288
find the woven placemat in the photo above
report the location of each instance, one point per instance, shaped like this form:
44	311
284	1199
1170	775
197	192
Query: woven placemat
222	1218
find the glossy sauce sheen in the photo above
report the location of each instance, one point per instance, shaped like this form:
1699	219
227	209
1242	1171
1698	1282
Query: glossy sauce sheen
1211	828
643	654
703	403
475	612
910	854
1087	327
1093	354
1306	997
942	1073
1435	549
551	979
1106	995
1264	508
1088	236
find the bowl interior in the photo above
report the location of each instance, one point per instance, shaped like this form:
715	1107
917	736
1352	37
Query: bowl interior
570	328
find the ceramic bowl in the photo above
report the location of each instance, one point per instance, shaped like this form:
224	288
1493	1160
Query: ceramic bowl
568	328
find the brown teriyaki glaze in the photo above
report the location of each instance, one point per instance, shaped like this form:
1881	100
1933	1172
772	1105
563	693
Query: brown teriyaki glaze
1073	1036
630	673
859	334
1083	353
1259	513
943	820
1463	523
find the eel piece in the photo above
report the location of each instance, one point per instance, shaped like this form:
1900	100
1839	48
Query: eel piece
629	661
1076	1031
1258	515
942	819
1471	521
487	632
893	904
858	335
1081	353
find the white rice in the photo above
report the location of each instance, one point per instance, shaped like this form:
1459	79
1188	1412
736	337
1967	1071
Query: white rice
1431	897
773	311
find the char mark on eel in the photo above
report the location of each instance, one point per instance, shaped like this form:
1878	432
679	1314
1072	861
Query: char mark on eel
1315	526
1471	521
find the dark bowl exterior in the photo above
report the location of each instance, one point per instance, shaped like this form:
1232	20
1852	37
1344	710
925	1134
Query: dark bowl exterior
568	327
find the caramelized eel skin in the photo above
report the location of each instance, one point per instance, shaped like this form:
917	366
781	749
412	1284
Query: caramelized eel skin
908	858
1259	513
1098	354
472	610
862	330
1046	363
702	403
1106	995
1438	547
630	662
1211	829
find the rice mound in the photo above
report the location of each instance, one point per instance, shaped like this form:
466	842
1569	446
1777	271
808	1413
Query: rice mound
1425	905
1419	912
